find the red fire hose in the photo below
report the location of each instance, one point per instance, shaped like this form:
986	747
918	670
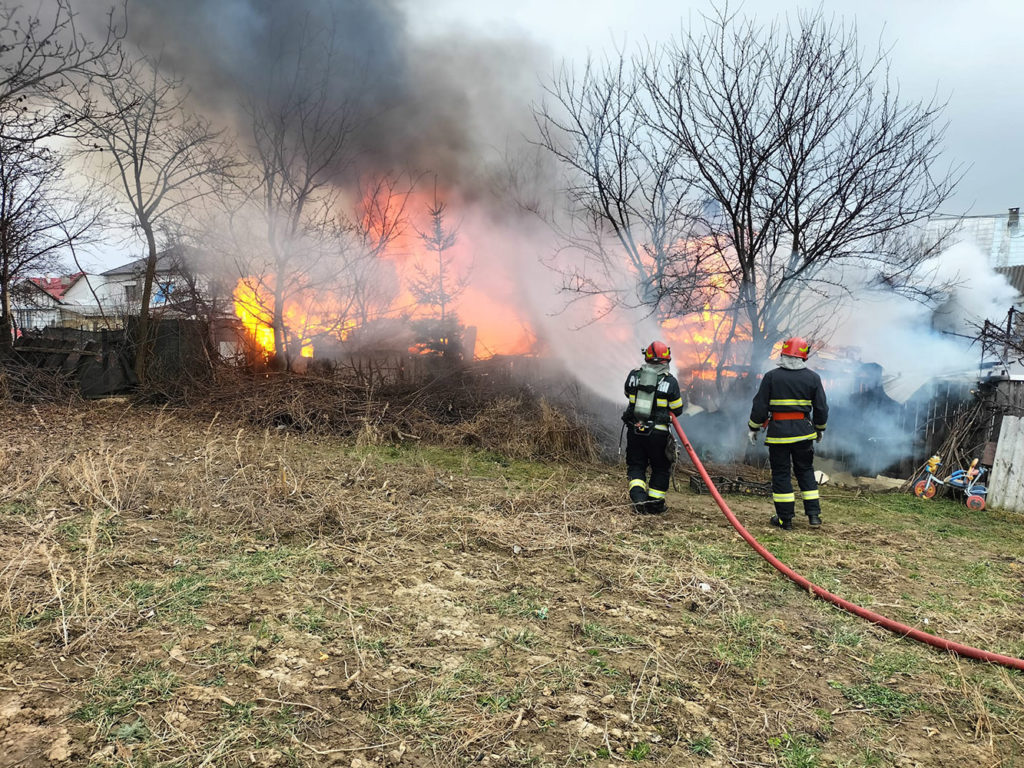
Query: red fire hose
846	605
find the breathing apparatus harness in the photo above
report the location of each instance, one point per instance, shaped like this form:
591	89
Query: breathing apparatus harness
641	417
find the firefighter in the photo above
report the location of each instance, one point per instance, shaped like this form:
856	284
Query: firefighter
653	392
791	402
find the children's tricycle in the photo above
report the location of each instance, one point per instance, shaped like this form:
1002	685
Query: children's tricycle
962	480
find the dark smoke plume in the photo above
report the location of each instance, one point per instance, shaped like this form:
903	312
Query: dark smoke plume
446	106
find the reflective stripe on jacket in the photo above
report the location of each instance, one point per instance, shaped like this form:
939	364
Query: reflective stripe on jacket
790	391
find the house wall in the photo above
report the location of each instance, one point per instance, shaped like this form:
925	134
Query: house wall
119	295
33	308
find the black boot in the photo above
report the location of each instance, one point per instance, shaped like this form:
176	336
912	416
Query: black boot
814	521
778	522
655	506
638	498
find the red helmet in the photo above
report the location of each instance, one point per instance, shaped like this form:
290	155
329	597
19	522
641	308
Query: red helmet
657	352
796	347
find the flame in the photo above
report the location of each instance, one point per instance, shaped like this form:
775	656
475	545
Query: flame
303	320
487	308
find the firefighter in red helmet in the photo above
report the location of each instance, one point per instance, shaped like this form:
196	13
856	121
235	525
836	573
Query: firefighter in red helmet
791	401
652	392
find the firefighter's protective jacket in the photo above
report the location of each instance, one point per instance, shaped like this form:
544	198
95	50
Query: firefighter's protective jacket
652	392
793	404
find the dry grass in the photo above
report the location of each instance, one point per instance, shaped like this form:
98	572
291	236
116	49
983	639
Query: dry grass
184	592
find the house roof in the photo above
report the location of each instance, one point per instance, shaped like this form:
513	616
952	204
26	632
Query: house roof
170	260
56	286
1015	275
1000	236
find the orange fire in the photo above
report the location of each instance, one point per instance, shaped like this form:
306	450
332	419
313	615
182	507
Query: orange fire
254	307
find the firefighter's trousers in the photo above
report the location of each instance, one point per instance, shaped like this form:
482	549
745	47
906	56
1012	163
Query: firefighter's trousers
643	451
788	459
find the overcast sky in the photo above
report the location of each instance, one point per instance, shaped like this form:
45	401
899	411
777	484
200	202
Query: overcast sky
971	53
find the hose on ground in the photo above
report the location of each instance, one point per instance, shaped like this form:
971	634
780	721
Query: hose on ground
893	626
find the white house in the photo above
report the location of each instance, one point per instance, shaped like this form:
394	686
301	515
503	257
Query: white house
104	300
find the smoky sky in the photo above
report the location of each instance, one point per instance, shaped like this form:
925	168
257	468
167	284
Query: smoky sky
446	105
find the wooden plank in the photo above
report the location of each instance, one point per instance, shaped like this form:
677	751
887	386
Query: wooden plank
1005	483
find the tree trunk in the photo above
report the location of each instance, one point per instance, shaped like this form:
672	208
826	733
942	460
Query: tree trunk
282	360
143	341
6	326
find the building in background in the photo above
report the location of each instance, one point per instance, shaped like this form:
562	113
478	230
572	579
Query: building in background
999	236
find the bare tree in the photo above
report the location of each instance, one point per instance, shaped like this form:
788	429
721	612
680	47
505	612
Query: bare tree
158	158
43	54
39	217
381	219
632	205
296	259
794	151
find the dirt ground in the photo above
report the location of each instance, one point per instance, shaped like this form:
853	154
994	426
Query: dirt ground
177	591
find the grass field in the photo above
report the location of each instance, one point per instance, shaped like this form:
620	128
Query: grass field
186	592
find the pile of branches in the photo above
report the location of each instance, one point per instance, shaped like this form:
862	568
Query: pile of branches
459	408
29	384
959	448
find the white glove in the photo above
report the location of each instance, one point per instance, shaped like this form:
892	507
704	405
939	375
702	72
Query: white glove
752	436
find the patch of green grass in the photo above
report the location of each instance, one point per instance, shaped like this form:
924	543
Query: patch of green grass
795	751
71	532
840	635
174	599
108	700
562	677
875	697
33	620
607	638
702	746
746	637
495	702
274	565
228	653
639	751
22	508
242	713
519	603
523	637
132	732
888	665
257	569
313	620
601	667
422	713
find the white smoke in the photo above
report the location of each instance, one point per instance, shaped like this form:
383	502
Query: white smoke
915	341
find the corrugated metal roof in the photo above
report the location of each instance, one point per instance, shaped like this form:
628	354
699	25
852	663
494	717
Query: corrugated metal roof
1000	236
1015	275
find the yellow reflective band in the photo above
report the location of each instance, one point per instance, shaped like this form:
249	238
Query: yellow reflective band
662	402
656	494
780	440
662	427
810	495
637	484
820	427
676	403
789	402
753	425
632	398
783	497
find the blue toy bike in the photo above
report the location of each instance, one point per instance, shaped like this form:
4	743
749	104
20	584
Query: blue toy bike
966	481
